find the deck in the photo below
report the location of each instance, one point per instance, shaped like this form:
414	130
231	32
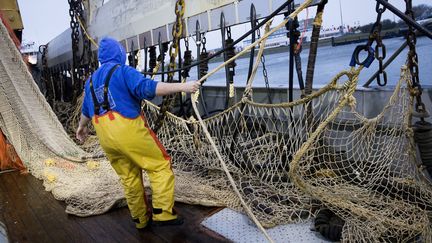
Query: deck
31	214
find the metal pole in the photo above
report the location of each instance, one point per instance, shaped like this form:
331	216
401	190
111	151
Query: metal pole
162	55
181	97
198	44
145	56
291	56
252	51
225	57
340	9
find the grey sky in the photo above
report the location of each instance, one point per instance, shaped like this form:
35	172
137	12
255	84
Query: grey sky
45	19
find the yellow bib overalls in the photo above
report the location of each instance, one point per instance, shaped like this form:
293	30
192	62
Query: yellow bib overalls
131	146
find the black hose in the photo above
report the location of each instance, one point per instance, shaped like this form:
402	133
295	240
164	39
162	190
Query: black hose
313	50
329	224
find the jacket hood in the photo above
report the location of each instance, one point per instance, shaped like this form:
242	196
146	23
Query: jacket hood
110	50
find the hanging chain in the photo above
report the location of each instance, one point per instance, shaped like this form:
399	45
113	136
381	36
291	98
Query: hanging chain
412	63
203	42
380	48
177	33
75	12
412	41
264	69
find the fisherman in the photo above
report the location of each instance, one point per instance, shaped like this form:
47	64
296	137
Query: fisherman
112	101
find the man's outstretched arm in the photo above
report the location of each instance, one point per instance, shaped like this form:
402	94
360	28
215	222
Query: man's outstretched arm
171	88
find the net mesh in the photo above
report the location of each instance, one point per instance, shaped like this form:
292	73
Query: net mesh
287	160
365	170
290	159
257	142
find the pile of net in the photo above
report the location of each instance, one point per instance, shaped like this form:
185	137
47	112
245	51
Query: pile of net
287	160
26	119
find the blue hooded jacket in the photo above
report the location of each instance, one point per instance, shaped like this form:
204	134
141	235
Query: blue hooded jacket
127	86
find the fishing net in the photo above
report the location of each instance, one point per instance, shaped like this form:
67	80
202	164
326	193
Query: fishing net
365	170
285	160
288	160
47	151
257	142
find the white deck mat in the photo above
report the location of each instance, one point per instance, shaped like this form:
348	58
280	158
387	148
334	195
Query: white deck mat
238	228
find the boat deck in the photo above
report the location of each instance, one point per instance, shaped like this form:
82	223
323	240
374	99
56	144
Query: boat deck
31	214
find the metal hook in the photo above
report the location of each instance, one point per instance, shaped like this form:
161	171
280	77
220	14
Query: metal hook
198	32
252	13
356	56
222	21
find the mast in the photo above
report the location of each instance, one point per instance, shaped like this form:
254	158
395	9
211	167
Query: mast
340	10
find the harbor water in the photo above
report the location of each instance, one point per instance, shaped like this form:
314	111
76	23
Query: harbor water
330	61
